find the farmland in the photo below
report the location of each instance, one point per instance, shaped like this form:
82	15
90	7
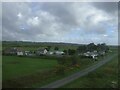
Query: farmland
59	44
20	68
14	66
23	71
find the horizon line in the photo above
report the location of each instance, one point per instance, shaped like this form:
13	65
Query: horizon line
59	42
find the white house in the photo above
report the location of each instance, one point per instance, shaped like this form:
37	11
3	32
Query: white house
41	51
45	51
27	53
87	54
20	53
50	53
59	52
91	54
94	56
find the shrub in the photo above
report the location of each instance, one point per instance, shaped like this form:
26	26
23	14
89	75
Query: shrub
74	60
60	70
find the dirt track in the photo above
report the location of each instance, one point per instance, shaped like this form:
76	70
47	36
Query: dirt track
74	76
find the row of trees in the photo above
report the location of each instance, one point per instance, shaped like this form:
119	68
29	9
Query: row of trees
91	47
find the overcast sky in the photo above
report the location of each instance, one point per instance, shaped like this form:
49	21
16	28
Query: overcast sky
82	22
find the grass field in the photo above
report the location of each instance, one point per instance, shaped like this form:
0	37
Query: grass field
14	66
23	68
104	77
35	71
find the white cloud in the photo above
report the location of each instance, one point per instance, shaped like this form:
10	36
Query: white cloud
105	35
19	15
35	21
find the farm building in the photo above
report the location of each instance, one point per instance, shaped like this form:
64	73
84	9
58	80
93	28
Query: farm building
93	54
27	53
20	53
59	52
101	53
41	51
12	51
87	54
50	53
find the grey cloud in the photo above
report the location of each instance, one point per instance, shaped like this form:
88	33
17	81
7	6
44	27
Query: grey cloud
109	7
62	11
55	20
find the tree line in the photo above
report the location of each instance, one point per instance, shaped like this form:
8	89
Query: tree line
90	47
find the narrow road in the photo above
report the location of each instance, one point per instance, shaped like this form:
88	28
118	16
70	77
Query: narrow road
83	72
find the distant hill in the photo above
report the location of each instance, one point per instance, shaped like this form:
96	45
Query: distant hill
21	43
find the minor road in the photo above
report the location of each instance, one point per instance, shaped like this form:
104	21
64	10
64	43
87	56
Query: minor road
77	75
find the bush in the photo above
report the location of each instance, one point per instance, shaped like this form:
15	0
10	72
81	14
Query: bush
71	51
65	60
74	60
68	61
60	70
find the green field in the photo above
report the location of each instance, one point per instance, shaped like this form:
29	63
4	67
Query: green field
101	78
23	68
38	71
14	66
